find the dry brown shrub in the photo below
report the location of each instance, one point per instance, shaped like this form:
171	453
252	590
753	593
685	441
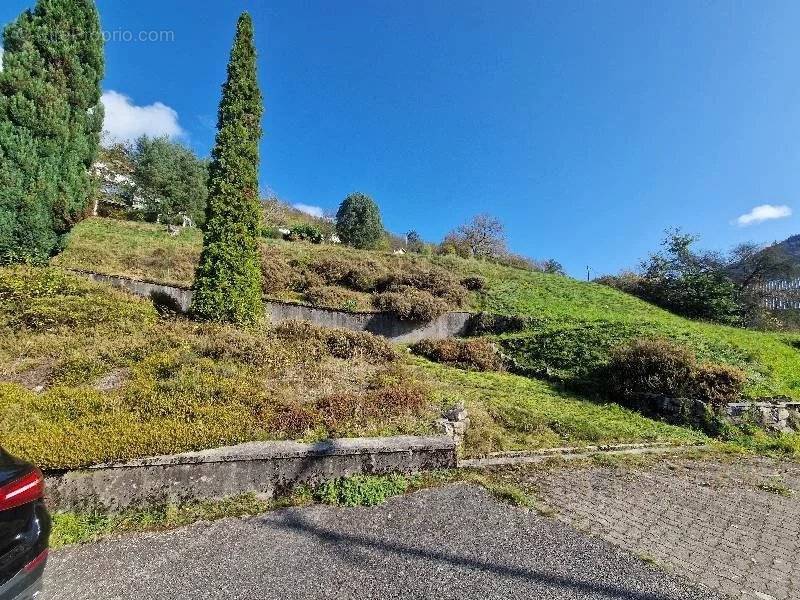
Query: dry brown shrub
477	354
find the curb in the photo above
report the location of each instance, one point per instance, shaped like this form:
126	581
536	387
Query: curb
500	459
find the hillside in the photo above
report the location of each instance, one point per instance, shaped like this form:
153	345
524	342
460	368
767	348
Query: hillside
573	325
89	374
791	246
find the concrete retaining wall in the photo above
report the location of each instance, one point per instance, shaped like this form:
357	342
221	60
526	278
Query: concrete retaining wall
386	325
267	468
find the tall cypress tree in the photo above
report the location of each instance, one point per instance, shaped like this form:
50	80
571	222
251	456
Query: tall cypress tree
50	123
228	278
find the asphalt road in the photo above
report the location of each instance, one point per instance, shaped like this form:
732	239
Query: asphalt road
451	542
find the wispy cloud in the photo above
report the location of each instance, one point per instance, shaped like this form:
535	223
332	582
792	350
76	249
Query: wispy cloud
314	211
764	212
125	121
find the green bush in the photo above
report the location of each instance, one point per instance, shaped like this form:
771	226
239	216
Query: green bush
649	367
270	232
358	221
307	233
361	490
476	355
411	304
227	285
49	299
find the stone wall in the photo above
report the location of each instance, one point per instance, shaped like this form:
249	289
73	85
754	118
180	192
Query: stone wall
267	468
780	414
386	325
776	416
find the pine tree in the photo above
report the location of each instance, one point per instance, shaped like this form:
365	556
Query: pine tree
50	123
228	278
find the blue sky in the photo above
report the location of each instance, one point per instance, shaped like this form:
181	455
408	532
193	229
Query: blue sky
587	127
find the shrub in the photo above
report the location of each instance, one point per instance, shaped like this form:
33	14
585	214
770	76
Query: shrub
717	384
517	261
46	299
341	343
362	276
361	490
437	282
649	367
411	304
295	419
627	282
474	283
492	324
653	366
332	297
350	411
303	278
276	273
307	233
270	232
477	355
358	221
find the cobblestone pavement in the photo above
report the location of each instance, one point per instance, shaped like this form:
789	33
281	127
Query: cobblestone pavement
732	525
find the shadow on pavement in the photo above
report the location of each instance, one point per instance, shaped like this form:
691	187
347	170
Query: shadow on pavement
293	521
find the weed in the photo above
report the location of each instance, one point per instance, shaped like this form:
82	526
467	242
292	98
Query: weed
77	528
776	486
361	490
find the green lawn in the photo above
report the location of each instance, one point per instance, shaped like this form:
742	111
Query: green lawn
509	412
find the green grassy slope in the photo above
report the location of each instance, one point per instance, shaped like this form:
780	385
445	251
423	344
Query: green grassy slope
509	412
89	374
575	323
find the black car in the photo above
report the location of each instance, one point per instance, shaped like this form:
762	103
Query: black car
24	529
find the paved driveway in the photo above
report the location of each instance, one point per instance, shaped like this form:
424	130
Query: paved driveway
451	542
732	524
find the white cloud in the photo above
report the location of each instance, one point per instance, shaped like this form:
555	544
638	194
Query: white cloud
125	122
764	212
314	211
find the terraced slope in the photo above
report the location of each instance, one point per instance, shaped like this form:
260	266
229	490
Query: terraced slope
573	324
